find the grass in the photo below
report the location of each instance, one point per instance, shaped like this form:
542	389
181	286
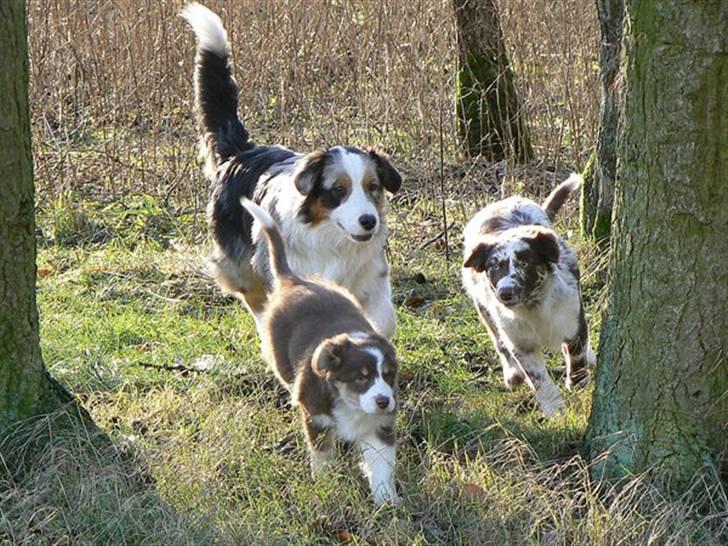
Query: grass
206	449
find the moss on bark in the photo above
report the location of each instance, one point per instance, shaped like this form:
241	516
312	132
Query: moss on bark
660	403
26	390
599	185
489	115
589	197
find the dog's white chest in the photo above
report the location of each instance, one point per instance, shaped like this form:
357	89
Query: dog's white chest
353	424
546	325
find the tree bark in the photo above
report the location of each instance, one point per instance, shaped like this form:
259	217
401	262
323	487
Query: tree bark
661	398
596	209
26	389
490	119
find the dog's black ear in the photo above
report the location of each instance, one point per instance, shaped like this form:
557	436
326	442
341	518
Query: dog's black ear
479	256
309	170
329	356
388	175
545	244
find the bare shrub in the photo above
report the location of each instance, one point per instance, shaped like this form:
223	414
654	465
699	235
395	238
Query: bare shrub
111	84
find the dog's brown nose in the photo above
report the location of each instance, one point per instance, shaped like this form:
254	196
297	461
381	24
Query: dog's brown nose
382	401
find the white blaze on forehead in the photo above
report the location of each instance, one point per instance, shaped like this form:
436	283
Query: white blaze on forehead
507	249
506	252
377	354
352	163
357	203
380	387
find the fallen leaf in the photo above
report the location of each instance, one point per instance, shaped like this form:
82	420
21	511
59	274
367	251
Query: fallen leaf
474	492
44	272
414	299
344	536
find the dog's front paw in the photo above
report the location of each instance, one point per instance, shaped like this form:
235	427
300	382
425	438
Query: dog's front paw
321	461
386	494
549	399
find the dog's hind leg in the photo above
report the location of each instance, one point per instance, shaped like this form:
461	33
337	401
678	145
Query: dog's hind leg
238	279
377	302
578	355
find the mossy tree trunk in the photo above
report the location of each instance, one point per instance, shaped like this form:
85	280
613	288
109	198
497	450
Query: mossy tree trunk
490	118
598	192
661	398
26	389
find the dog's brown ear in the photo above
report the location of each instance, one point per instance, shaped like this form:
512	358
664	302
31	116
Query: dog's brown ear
388	175
545	244
310	169
329	356
479	256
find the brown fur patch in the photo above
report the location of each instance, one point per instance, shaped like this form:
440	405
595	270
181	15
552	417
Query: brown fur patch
387	435
318	212
243	283
372	186
256	296
317	437
343	180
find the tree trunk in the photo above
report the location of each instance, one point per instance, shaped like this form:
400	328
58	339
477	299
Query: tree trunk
661	398
598	193
491	122
25	387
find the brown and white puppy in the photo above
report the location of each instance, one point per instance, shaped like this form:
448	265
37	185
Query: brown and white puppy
524	282
341	373
330	204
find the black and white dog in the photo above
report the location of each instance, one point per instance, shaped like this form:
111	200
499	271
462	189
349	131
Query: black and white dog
524	282
342	375
330	203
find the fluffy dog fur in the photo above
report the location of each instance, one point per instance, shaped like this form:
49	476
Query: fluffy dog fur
524	282
330	203
341	373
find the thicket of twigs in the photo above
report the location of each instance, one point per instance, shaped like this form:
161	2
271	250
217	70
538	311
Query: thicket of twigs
111	85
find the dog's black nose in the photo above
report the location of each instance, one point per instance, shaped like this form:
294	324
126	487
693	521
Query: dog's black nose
367	221
507	294
382	401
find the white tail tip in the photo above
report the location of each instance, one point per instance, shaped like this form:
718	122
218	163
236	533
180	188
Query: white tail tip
573	183
208	28
258	212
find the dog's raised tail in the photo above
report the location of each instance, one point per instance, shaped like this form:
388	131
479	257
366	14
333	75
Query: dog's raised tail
216	93
560	194
276	246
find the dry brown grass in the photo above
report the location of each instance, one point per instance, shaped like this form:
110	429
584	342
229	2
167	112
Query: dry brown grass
80	493
111	85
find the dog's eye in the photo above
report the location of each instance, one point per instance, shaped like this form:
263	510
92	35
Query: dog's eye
339	190
373	187
361	378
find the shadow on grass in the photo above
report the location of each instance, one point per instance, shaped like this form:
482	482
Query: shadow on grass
66	482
